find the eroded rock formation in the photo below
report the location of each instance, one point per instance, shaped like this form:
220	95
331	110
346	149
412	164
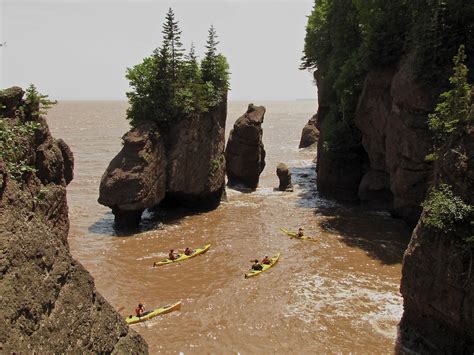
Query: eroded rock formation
182	163
284	175
391	115
136	177
337	176
48	301
196	161
310	133
245	154
438	272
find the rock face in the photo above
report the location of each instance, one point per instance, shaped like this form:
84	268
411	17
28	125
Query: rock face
196	161
391	115
136	177
11	99
337	176
182	164
438	272
245	154
48	301
284	175
310	133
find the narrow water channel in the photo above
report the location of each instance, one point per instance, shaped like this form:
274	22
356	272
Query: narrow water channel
339	294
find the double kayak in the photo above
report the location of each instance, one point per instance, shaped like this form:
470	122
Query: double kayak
253	273
153	313
295	235
182	256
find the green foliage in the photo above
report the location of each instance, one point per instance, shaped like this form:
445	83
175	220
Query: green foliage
346	38
454	104
217	163
332	45
36	104
444	211
14	139
438	28
169	85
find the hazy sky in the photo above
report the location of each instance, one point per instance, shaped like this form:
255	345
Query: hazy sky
80	49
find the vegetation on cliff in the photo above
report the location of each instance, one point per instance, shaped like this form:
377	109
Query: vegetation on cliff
15	132
347	38
444	210
169	85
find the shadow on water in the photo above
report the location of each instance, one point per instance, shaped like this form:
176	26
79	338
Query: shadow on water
305	179
381	236
154	219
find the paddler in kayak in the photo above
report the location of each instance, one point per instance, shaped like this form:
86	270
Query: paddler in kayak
300	232
266	260
140	310
188	251
256	265
172	255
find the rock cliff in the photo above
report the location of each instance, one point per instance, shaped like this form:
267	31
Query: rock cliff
392	117
48	301
245	154
180	163
438	268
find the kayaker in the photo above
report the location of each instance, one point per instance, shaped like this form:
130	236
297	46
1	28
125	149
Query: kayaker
300	232
188	251
140	310
266	260
256	265
172	255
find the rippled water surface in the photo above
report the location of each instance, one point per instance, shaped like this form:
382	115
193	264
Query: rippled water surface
337	295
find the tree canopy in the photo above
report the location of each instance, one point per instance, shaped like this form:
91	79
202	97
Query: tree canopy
170	85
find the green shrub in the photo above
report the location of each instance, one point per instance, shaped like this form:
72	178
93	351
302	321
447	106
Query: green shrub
14	139
443	210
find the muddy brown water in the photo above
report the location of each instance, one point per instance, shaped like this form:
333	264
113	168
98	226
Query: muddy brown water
337	295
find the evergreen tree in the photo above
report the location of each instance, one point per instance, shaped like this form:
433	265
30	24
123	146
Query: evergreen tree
191	69
172	42
169	86
209	63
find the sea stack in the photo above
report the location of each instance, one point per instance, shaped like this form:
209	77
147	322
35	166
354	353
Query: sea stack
245	154
310	133
284	175
136	178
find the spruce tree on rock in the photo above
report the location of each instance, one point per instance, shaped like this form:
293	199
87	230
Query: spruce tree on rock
172	38
209	63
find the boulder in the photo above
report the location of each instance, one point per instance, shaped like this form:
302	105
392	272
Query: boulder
136	178
196	161
245	154
310	134
284	175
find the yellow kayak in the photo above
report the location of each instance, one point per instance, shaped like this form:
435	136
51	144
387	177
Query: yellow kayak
182	256
154	313
253	273
295	235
